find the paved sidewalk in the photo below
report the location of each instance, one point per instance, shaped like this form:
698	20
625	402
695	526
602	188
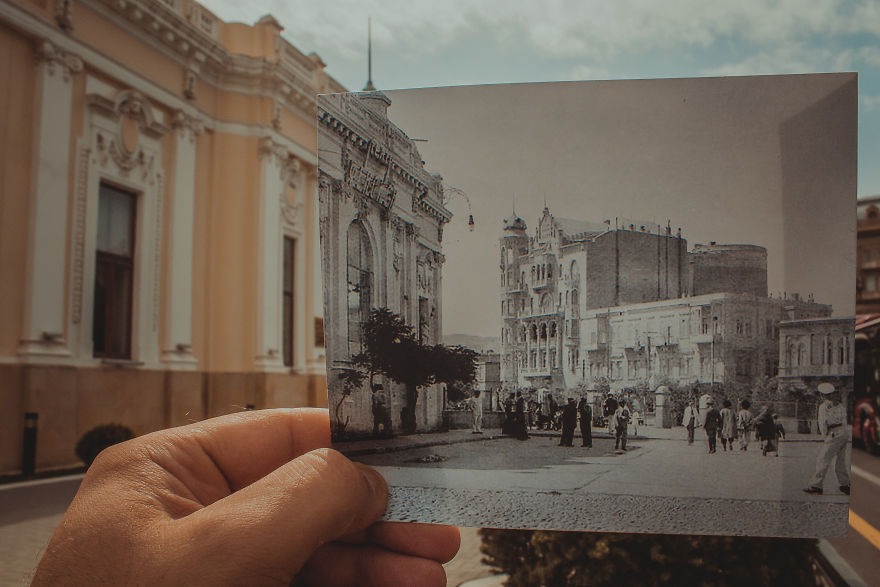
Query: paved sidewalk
29	513
357	448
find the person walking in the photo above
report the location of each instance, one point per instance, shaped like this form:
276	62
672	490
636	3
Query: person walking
689	420
712	423
609	410
477	410
381	413
586	415
621	420
519	417
836	436
728	425
569	421
745	423
509	426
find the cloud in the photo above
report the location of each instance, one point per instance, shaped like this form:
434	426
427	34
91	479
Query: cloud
588	72
870	103
560	28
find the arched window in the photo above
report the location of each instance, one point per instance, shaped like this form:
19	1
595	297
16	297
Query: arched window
801	354
574	297
552	329
543	331
522	334
534	332
360	284
841	351
546	304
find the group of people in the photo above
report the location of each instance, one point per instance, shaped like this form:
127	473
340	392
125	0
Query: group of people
734	428
520	416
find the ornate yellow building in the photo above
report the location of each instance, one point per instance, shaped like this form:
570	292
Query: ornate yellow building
158	229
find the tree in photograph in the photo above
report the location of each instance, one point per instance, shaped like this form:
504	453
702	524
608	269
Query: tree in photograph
350	380
455	366
390	349
598	558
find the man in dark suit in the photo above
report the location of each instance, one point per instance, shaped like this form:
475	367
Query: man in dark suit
569	421
586	414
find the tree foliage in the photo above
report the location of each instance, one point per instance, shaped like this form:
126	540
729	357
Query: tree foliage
580	559
391	349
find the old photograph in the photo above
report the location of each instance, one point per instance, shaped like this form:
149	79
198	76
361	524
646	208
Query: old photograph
615	306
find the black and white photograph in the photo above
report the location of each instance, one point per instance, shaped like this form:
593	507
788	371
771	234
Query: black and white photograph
619	306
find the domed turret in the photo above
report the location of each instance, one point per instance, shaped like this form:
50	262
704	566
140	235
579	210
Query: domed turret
514	222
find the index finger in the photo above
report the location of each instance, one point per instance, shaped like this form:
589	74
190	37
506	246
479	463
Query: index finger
247	446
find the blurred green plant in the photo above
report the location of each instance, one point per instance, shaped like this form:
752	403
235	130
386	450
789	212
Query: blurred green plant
538	558
99	438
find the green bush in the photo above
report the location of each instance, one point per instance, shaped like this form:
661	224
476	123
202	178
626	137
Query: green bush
99	438
582	558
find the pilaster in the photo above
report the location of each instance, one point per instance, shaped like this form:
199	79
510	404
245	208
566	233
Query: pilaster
44	328
177	344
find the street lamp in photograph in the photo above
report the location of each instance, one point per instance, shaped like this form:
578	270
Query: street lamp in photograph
447	189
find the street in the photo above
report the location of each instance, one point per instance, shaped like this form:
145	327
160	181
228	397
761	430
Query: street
659	485
861	548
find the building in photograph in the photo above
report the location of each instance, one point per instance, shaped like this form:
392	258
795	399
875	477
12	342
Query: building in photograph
589	304
158	225
868	256
487	380
815	350
382	218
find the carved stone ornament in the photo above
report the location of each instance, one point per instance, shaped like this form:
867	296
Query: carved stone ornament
54	59
276	116
64	14
269	148
187	126
189	84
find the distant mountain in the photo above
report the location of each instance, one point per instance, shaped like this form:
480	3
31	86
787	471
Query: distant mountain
481	344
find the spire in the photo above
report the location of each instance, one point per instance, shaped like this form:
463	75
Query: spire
369	87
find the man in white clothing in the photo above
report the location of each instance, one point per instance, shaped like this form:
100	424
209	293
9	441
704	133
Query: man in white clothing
833	428
477	408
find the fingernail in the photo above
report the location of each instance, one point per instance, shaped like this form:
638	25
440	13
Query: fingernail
376	482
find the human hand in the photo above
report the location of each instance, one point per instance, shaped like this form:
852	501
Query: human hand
244	499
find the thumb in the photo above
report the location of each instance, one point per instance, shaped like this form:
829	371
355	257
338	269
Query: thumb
269	529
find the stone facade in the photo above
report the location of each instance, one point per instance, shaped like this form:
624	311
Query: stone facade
587	304
487	379
206	130
382	218
815	350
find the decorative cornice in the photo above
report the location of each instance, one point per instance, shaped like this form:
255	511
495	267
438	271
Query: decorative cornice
192	39
52	57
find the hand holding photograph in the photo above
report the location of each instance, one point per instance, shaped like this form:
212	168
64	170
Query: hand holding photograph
617	306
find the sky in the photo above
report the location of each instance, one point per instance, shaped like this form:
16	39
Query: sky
763	160
421	43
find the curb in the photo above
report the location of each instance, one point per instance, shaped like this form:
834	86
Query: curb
835	567
357	452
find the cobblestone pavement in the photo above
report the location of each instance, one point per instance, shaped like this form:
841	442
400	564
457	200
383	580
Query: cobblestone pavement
658	486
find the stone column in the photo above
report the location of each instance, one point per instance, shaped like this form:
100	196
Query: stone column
44	329
268	329
177	346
